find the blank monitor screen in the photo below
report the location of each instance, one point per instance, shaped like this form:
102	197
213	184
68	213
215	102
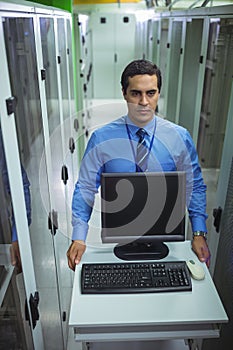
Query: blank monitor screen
140	211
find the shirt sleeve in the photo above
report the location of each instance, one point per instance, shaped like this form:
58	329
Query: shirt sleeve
196	188
86	188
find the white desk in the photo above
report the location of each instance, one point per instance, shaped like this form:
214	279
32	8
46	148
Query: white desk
139	317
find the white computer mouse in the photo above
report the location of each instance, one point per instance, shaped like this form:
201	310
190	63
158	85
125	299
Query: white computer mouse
196	270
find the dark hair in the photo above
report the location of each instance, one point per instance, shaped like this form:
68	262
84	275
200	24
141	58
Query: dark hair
140	67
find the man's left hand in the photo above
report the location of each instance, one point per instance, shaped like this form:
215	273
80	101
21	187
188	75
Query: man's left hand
200	247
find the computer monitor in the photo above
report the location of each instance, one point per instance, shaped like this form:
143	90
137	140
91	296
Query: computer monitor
141	211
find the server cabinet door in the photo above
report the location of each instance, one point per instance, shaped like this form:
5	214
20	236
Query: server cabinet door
163	60
154	41
216	92
56	159
21	311
124	47
174	69
35	118
221	242
113	38
103	27
196	43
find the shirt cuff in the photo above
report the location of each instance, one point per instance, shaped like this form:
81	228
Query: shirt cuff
198	224
80	229
14	233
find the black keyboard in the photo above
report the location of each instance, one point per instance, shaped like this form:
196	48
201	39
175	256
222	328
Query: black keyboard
145	277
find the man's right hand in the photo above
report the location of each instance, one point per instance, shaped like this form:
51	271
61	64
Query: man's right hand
15	257
75	252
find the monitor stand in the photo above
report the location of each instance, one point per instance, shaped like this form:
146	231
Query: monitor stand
139	250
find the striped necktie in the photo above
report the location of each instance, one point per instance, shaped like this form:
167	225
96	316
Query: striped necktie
142	151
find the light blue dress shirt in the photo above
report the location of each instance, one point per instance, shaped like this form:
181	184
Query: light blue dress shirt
112	148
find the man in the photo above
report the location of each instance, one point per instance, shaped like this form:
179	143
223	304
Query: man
113	148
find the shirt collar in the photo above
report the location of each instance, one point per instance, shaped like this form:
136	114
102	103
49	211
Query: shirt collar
148	127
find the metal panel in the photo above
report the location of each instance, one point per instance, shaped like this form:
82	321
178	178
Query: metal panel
174	67
103	55
223	275
56	129
192	68
124	47
138	40
113	48
157	39
14	173
216	92
33	55
221	244
163	59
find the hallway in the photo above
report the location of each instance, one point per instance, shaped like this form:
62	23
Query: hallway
50	103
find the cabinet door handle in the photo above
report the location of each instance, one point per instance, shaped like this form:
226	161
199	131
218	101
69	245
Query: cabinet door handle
217	214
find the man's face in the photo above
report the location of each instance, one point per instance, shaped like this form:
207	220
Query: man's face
142	97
